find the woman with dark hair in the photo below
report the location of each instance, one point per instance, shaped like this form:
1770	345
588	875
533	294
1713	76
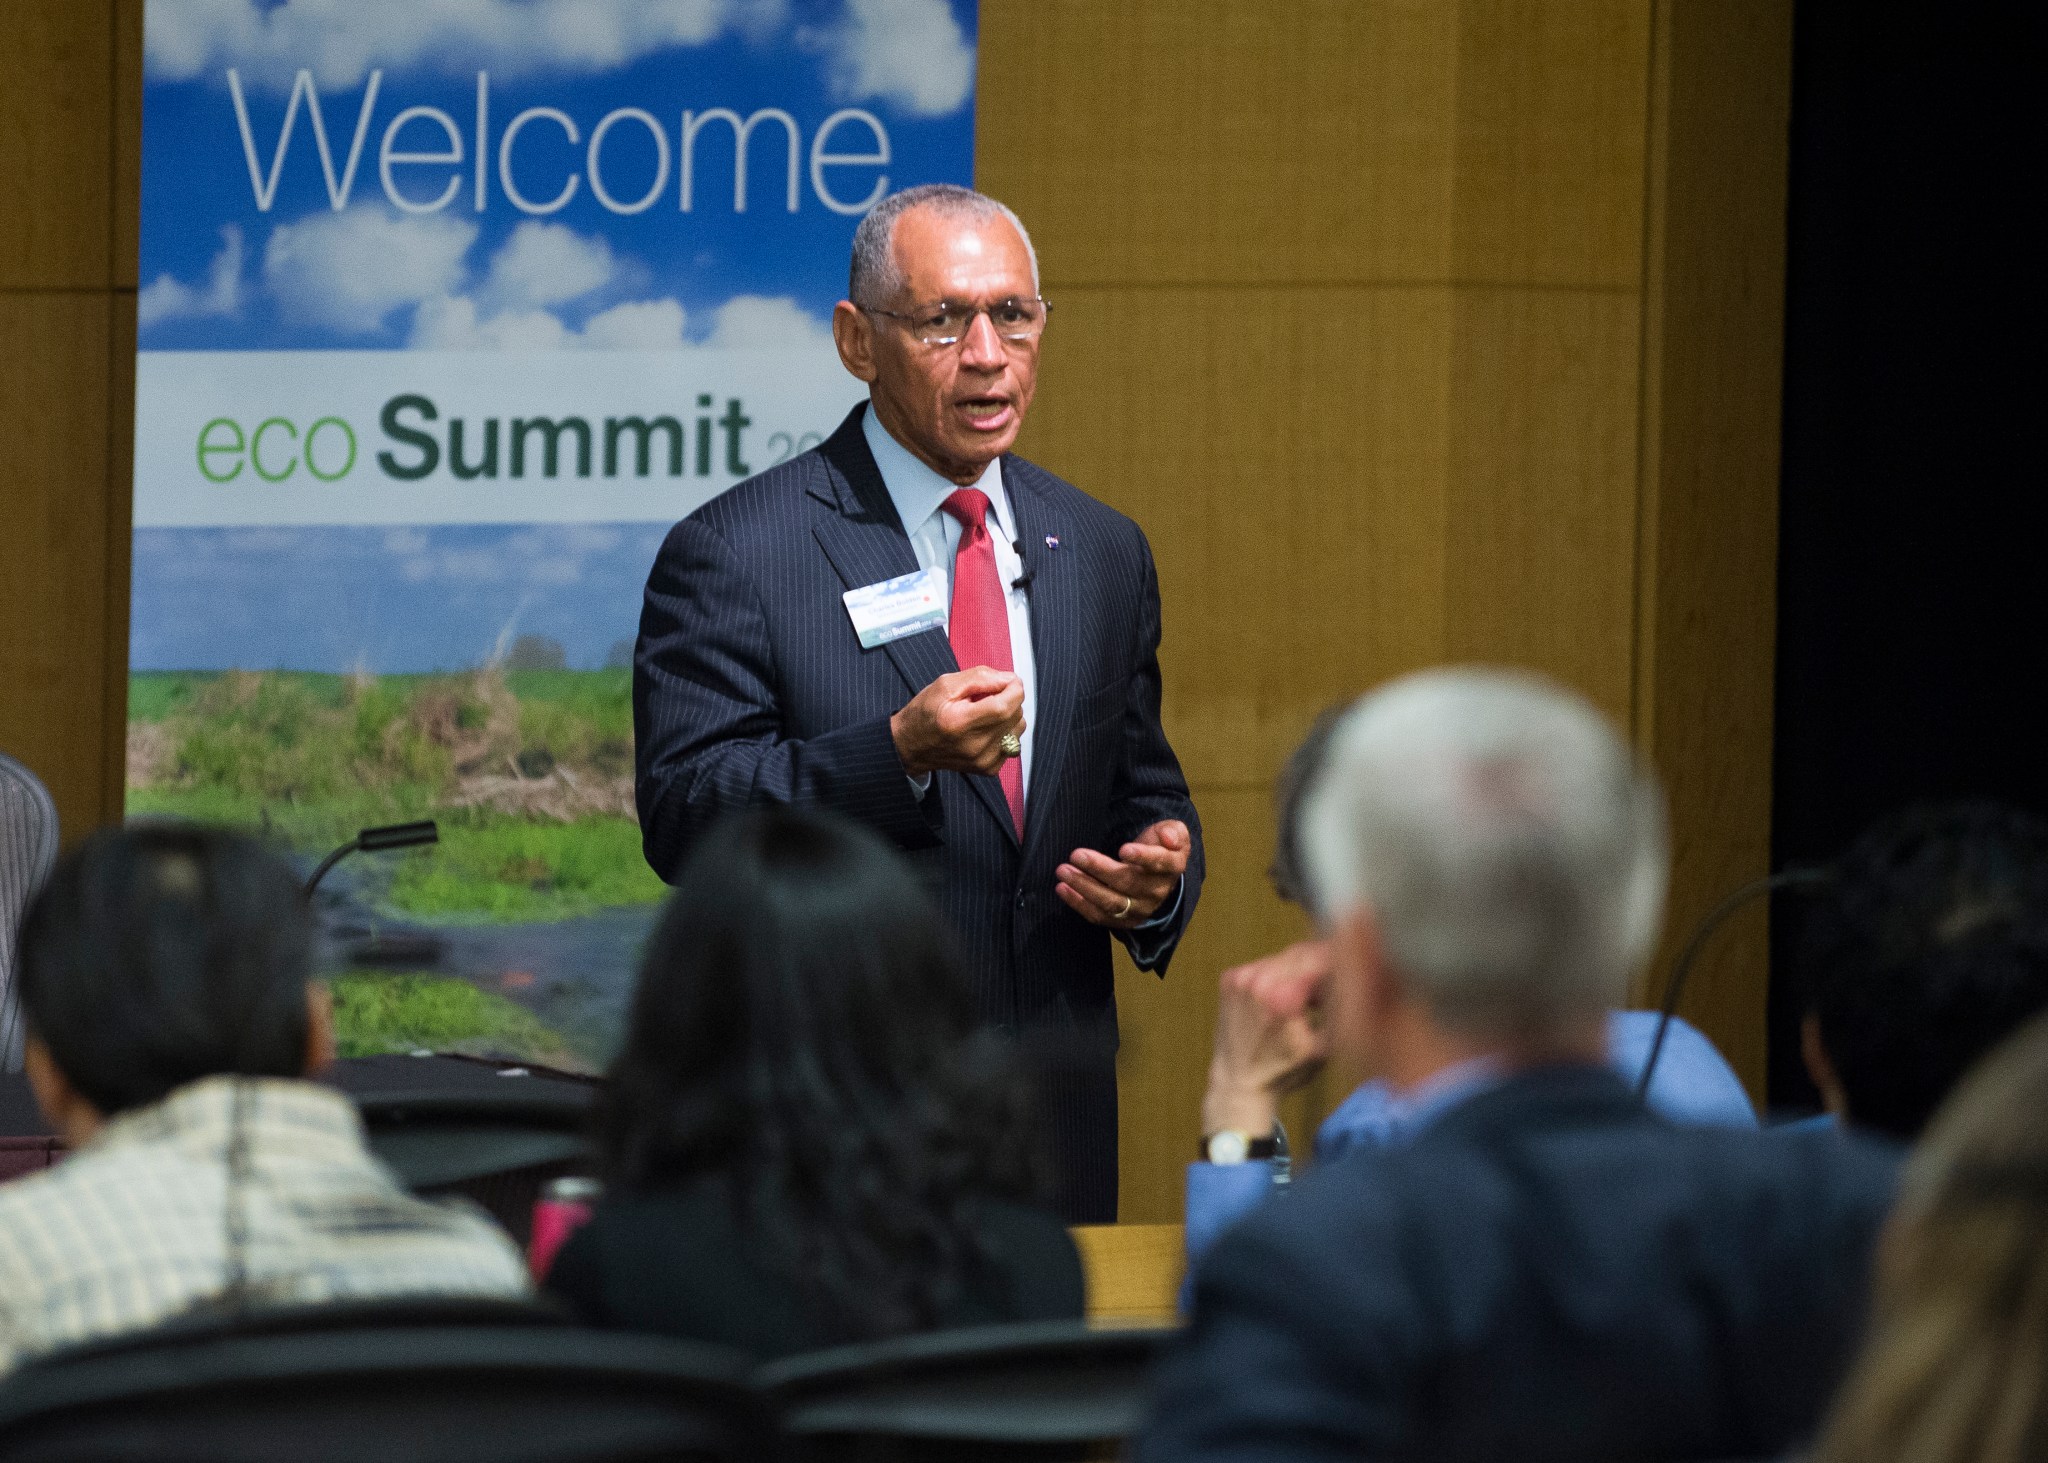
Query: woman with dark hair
805	1140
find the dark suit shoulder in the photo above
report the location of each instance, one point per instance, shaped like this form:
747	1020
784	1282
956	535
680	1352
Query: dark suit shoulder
1098	516
761	508
1611	1173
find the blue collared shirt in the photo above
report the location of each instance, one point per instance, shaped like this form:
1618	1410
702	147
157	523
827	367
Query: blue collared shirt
1693	1085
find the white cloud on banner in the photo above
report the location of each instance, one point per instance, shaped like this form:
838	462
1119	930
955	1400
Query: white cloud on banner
637	325
911	52
452	323
168	298
541	265
766	322
546	264
340	41
350	270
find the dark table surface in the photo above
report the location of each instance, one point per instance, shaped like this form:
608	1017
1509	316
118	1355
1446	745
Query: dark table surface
376	1079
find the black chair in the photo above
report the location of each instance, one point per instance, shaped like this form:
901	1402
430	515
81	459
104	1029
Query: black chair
460	1128
28	849
420	1381
1042	1390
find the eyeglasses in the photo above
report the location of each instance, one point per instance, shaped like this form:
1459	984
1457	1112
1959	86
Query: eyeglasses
1019	318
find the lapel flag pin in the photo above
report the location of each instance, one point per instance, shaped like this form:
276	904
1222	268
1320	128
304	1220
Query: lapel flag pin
1052	541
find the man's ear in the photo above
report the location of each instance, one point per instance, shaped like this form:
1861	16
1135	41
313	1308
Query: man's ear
854	334
62	1106
1362	986
1821	1067
319	1027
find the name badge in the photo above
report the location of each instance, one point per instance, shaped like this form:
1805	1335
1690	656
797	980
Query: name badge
906	605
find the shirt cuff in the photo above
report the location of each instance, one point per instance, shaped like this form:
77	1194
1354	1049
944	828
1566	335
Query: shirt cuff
1166	911
1148	941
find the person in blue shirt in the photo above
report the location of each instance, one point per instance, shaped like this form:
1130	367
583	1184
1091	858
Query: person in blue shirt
1269	1041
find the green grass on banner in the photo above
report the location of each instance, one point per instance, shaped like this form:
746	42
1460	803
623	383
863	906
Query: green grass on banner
527	772
375	1013
507	870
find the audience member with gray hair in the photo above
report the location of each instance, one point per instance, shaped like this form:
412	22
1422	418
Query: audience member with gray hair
1270	1041
1536	1266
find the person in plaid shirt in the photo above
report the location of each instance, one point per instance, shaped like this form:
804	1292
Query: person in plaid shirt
171	1026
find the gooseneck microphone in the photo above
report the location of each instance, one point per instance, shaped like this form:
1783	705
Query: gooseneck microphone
1793	878
374	840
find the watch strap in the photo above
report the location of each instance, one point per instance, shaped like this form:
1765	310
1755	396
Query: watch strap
1254	1148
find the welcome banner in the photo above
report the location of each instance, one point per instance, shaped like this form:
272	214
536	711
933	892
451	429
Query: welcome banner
450	309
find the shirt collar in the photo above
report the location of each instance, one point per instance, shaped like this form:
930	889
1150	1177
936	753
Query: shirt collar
915	489
201	1114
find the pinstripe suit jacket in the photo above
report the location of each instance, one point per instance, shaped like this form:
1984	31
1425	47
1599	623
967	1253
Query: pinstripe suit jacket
750	688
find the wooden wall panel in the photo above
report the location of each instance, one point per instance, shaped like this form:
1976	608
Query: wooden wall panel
55	381
56	122
1210	141
1540	566
1548	170
127	144
1358	313
1712	355
1309	519
70	86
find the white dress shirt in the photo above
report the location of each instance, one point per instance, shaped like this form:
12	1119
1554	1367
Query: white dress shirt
917	492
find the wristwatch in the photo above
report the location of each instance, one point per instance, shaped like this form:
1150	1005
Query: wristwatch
1230	1146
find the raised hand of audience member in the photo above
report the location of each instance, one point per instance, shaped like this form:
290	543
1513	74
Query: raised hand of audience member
1269	1037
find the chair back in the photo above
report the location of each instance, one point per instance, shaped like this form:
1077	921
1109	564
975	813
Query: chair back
403	1382
495	1147
28	850
1041	1390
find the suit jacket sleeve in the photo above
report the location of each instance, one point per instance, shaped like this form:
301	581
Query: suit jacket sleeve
1149	785
707	726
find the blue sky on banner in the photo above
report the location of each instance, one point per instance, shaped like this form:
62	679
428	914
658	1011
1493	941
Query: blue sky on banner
390	600
409	261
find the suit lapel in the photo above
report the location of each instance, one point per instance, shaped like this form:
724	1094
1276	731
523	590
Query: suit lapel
1055	631
866	543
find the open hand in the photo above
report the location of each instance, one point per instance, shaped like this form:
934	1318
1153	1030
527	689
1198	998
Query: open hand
1121	893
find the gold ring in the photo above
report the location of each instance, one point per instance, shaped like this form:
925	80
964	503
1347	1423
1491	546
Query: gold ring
1125	911
1013	746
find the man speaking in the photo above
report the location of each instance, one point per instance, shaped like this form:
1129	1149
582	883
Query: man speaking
917	629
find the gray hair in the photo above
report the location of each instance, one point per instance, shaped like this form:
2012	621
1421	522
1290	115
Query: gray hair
1510	847
875	277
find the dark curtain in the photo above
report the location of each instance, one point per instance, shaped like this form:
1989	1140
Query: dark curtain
1913	570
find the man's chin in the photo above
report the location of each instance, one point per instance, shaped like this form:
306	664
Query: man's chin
982	448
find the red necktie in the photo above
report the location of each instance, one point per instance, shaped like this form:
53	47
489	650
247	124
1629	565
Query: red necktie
980	623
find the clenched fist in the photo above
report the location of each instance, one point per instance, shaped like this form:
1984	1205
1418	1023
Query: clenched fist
958	722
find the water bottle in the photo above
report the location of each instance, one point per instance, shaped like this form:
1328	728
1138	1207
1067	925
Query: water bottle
564	1206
